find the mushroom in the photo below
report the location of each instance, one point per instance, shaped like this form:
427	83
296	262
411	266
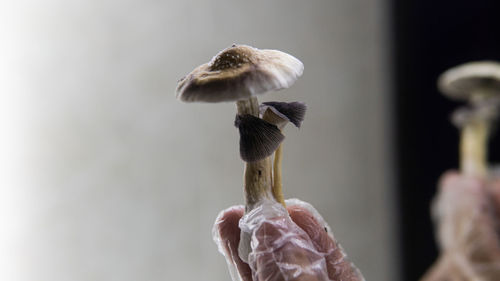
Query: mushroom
479	84
240	73
258	138
280	114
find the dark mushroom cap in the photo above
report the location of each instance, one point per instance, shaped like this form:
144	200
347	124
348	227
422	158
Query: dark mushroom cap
239	72
258	138
464	81
280	113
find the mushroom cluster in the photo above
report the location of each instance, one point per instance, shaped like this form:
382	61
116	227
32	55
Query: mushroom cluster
240	73
267	241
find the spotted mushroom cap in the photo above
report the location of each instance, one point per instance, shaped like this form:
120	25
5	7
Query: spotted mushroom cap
239	72
463	81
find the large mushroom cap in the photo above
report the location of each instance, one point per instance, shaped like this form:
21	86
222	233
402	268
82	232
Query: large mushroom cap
465	80
239	72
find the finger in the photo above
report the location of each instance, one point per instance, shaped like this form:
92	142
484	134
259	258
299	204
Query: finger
228	233
338	267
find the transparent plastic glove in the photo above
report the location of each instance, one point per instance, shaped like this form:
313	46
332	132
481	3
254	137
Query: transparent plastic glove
466	212
293	245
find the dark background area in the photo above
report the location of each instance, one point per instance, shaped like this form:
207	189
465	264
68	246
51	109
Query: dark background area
430	37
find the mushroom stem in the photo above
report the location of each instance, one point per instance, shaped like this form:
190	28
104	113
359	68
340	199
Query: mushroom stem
277	183
258	182
279	114
277	187
473	147
248	106
258	175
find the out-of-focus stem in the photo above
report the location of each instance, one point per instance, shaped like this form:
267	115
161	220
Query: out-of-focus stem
473	148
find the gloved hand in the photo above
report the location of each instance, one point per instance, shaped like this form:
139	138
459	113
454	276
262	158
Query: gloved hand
280	245
466	213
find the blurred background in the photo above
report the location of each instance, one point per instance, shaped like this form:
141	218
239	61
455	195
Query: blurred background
106	176
430	37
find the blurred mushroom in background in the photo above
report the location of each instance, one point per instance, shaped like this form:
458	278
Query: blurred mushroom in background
466	210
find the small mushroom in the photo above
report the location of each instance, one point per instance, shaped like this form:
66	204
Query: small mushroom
284	112
240	73
280	114
478	83
258	138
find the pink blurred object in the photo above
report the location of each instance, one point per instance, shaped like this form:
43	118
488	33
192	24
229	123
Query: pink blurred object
466	213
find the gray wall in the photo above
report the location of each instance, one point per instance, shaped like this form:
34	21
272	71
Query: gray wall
113	179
